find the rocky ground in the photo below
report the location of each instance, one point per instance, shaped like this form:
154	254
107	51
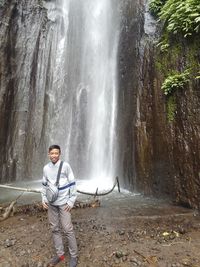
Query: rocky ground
124	231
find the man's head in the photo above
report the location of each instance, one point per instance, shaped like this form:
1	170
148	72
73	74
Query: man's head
54	153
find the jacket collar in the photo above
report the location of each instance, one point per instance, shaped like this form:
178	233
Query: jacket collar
56	164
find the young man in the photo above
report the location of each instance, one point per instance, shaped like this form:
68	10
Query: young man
59	210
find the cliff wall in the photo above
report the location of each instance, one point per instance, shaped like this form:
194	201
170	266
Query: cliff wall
160	144
24	51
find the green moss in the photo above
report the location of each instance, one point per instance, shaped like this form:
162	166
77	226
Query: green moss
171	108
179	53
167	60
175	55
192	56
170	64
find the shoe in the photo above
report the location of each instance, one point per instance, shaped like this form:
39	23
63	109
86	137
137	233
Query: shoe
73	262
55	260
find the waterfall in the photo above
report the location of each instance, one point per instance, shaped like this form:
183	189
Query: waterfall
83	92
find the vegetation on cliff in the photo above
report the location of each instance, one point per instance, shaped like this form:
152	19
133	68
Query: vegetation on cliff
175	81
179	16
178	61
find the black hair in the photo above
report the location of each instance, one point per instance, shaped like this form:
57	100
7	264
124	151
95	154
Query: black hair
54	147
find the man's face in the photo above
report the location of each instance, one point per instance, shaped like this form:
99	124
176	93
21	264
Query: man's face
54	155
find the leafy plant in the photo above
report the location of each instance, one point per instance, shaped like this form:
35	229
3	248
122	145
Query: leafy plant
198	76
163	46
155	6
175	81
181	16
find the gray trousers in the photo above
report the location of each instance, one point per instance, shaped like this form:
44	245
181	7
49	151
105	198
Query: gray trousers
59	217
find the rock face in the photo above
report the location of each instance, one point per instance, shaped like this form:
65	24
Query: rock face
168	151
129	57
23	54
156	157
159	157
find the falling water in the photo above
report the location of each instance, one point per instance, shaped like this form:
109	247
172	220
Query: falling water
83	91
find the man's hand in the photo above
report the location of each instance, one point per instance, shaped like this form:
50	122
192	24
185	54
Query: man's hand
67	207
45	205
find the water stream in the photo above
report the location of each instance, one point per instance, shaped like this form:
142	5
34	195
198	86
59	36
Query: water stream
83	92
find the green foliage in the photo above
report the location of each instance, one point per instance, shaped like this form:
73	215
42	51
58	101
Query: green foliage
181	16
175	81
171	108
198	76
155	6
163	46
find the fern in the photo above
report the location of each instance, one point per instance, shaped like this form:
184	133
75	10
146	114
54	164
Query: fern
155	6
181	16
175	81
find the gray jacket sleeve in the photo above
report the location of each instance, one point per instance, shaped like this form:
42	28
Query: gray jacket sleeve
73	189
43	192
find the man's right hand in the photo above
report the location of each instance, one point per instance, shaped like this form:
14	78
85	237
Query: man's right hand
45	205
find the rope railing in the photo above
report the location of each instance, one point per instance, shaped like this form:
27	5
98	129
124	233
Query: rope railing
116	183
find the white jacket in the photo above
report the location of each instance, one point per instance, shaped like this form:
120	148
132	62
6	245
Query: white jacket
66	195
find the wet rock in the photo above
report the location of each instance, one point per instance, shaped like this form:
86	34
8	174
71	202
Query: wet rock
122	232
117	261
9	242
119	254
22	253
26	23
124	258
182	230
135	261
